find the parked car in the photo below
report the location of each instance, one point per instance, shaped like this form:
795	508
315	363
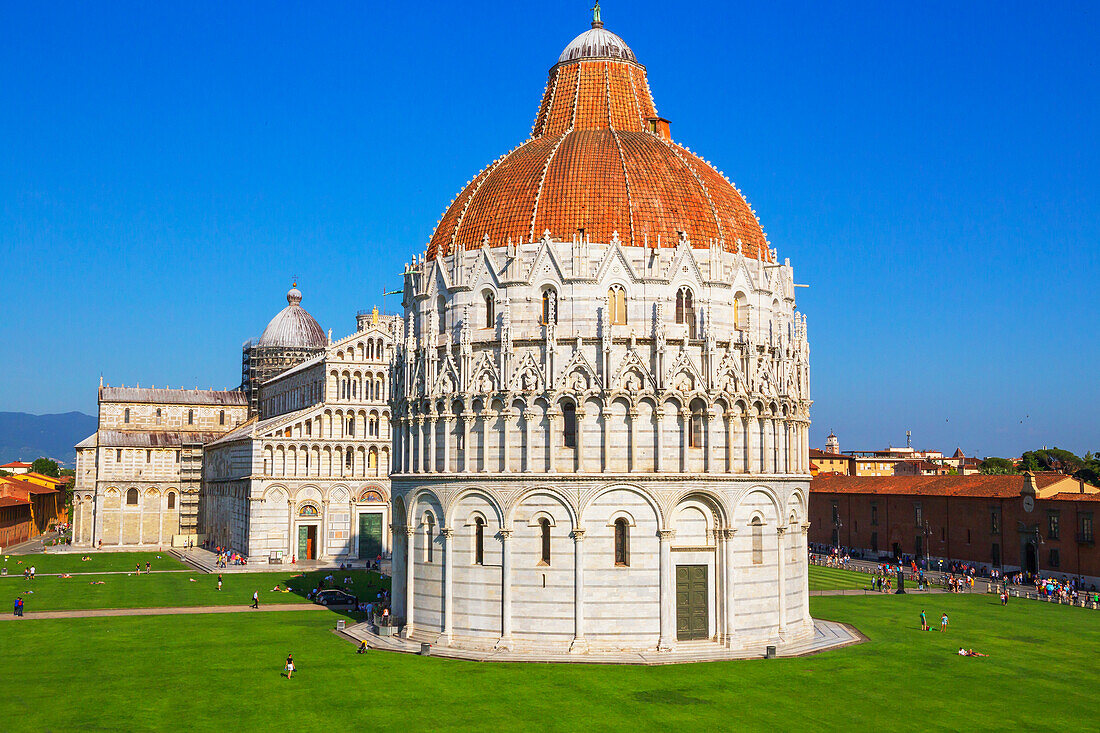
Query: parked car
335	597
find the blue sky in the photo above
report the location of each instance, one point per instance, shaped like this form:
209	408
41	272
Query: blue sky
932	171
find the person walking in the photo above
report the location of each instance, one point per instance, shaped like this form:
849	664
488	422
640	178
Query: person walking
32	572
148	567
18	610
289	665
943	622
219	581
255	599
923	621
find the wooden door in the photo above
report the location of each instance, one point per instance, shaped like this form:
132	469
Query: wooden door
370	536
691	602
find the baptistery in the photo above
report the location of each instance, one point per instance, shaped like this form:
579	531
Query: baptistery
601	394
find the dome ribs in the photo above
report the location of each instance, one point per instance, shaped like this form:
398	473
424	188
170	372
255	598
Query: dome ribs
702	187
585	187
559	116
503	204
592	113
663	196
542	181
547	101
626	183
646	106
739	221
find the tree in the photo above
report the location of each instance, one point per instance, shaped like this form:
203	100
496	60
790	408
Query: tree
1050	459
46	467
994	466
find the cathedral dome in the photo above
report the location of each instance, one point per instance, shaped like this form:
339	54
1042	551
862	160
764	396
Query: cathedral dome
293	327
599	161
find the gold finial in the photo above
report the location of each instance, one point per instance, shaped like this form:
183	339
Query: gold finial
596	21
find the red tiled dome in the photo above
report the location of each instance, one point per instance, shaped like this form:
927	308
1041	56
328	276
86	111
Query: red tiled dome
599	159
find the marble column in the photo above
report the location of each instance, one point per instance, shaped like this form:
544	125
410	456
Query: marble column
554	427
658	457
467	418
528	418
410	578
668	592
730	631
709	464
484	447
604	458
579	645
448	583
748	423
431	463
685	435
580	441
506	419
780	533
804	585
632	464
448	428
418	448
505	641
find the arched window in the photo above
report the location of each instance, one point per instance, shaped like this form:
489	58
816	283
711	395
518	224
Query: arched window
131	497
569	425
622	542
479	541
190	417
544	529
221	418
695	435
549	305
372	459
685	309
616	305
740	312
351	426
349	457
490	310
171	500
429	535
441	312
757	542
126	415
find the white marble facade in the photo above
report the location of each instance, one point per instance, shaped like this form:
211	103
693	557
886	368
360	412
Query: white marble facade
522	410
309	479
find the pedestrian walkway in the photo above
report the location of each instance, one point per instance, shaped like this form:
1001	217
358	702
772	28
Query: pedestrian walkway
869	592
172	611
205	561
826	635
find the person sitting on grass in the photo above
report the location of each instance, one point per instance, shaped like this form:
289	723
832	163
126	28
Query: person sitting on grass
362	647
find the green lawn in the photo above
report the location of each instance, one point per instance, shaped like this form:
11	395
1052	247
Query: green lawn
174	589
223	673
822	578
97	562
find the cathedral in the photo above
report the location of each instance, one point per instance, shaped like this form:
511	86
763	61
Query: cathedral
601	398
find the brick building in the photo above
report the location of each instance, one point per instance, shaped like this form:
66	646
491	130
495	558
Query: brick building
1038	523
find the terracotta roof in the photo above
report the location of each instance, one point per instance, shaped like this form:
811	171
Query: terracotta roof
16	464
173	396
976	485
12	484
592	162
815	453
13	501
1074	496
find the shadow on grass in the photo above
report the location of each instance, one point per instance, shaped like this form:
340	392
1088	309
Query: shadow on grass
367	586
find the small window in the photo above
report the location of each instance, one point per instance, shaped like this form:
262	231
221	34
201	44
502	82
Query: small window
132	497
490	310
622	542
177	456
995	521
549	305
1052	525
429	535
569	425
479	541
118	454
874	515
1055	560
616	305
695	435
544	529
158	416
148	456
685	309
441	312
348	458
757	542
190	417
171	500
221	418
1086	527
919	514
351	427
126	415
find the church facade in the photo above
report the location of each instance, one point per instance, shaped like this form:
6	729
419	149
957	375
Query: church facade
601	395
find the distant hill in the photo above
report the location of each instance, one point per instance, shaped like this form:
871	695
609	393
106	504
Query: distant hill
26	437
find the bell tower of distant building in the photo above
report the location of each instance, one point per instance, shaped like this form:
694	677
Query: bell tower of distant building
832	445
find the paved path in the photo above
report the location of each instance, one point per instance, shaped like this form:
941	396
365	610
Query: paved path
179	610
867	592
